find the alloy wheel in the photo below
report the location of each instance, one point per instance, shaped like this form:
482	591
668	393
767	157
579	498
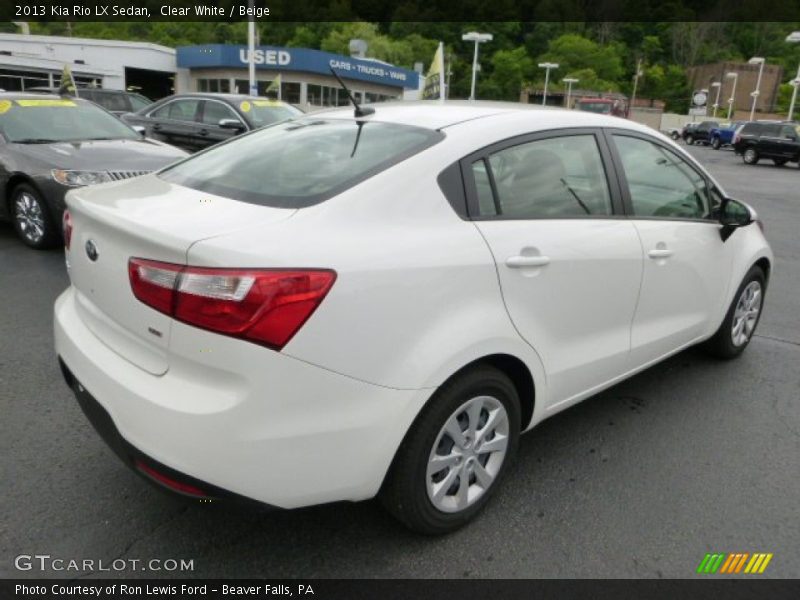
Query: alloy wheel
29	217
468	454
746	313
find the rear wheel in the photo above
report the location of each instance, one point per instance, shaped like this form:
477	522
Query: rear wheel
742	317
31	218
455	453
716	144
689	140
750	156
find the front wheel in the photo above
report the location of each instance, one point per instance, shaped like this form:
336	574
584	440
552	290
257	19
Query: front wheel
31	219
742	317
750	156
456	452
689	140
716	144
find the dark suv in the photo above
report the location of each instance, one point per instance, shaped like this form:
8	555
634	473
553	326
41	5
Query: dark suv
778	141
701	132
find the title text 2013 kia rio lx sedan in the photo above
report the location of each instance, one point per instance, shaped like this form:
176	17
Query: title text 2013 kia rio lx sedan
341	306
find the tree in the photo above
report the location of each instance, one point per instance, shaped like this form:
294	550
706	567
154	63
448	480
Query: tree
574	52
510	68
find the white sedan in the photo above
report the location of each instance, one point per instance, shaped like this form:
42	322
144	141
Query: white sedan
339	306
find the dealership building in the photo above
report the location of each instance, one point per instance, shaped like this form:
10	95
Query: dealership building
306	76
156	71
28	61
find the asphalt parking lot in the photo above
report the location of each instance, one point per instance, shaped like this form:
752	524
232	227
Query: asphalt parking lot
692	456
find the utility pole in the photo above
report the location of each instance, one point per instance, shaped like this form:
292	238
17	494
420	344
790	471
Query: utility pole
251	46
635	83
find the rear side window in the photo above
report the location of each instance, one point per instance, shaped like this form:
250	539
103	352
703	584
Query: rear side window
549	178
300	163
111	102
750	129
770	130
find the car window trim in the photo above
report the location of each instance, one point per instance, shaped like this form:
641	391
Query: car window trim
149	114
472	205
610	132
231	108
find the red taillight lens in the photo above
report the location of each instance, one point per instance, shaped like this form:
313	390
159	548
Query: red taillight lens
66	225
267	306
178	486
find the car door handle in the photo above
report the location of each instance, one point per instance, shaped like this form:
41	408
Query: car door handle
156	126
203	132
519	262
660	253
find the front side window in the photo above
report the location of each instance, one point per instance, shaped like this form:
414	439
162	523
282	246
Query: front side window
214	112
300	163
550	178
661	184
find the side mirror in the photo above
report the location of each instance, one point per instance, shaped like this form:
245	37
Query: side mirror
233	124
732	215
140	129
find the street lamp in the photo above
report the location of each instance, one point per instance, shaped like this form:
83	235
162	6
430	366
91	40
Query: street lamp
478	38
569	81
735	76
547	66
718	85
794	38
636	76
756	60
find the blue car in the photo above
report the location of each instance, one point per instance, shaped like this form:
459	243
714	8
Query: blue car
723	134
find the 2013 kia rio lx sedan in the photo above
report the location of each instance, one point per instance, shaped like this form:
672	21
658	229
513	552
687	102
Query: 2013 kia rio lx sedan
341	306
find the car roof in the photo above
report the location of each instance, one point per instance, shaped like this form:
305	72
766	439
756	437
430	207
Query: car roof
432	114
217	95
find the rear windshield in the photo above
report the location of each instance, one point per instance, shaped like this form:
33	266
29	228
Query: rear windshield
300	163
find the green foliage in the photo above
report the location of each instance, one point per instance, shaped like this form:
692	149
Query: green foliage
602	55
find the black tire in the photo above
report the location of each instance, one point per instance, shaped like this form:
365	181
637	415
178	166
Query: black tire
405	492
779	162
750	156
27	206
716	144
675	135
689	140
722	344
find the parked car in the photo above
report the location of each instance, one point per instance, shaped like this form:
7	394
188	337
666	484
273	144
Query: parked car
49	145
722	135
349	305
779	141
117	102
673	132
196	121
699	132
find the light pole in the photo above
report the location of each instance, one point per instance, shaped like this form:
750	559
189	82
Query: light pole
794	38
478	38
735	76
756	60
547	66
635	83
718	85
569	81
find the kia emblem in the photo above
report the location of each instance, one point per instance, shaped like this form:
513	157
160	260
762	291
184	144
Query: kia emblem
91	250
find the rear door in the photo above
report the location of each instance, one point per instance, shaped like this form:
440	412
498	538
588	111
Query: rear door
214	111
770	143
686	268
175	122
569	263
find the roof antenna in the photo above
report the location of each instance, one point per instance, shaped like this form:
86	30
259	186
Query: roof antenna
360	112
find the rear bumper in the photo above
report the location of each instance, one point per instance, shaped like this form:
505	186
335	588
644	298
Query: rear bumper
286	433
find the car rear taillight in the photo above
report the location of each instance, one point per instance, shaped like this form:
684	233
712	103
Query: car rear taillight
66	225
736	139
266	306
